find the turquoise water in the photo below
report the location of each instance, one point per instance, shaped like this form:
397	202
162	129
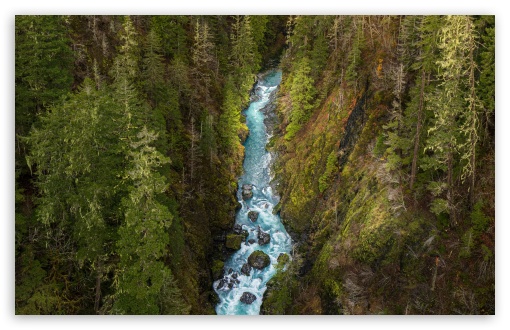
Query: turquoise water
257	173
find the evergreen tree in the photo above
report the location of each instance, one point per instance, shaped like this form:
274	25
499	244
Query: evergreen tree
203	60
76	151
354	58
302	95
320	52
486	85
43	70
143	239
453	135
172	32
152	67
244	54
229	121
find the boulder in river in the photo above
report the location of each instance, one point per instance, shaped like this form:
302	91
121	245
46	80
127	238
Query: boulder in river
259	260
222	284
218	269
248	298
263	237
234	241
253	216
251	241
247	191
238	228
246	269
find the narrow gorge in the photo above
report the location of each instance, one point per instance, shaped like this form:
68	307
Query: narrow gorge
259	233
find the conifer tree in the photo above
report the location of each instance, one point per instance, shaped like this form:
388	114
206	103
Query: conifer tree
302	95
143	239
453	135
75	153
152	67
354	58
229	121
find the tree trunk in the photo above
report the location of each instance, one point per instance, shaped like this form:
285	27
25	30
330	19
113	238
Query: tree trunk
418	131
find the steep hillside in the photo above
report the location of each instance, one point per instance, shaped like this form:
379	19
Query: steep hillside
386	166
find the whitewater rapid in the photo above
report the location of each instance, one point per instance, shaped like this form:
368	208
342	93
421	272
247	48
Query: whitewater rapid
256	173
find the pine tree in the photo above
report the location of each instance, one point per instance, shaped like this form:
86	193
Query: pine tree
172	32
229	121
204	62
354	58
152	67
244	54
320	52
75	153
486	85
142	237
43	70
453	135
302	96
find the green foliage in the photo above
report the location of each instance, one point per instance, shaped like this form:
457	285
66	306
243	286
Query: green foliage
208	142
43	62
171	30
319	54
76	181
439	206
170	299
479	221
217	269
245	58
142	237
379	146
302	95
486	84
354	58
106	224
331	168
258	26
468	243
234	241
152	66
278	298
229	122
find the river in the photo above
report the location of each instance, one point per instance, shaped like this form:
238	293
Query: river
257	173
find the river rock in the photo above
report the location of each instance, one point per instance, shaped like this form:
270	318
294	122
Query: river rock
253	216
251	241
264	238
246	269
222	284
248	298
238	228
247	192
259	260
234	241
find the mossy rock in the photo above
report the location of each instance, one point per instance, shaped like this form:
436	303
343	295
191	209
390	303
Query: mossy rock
259	260
234	241
218	269
283	258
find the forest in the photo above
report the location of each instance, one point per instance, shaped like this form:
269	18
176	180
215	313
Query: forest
130	138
